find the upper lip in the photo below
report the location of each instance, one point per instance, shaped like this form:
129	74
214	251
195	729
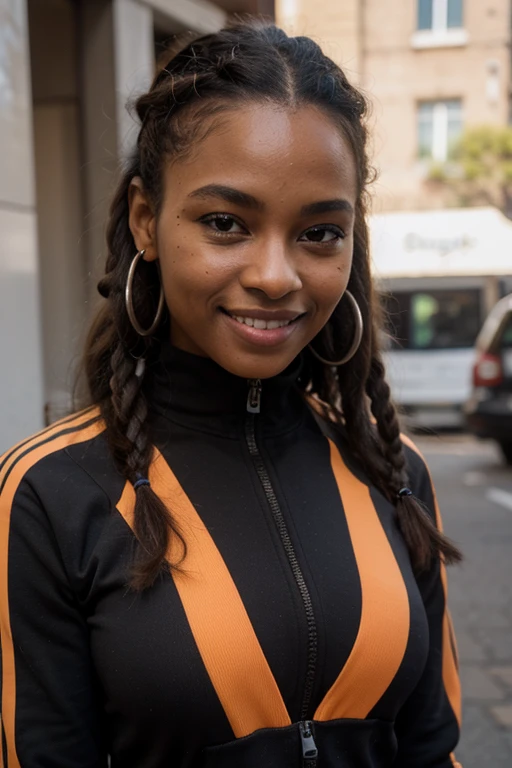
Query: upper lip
265	314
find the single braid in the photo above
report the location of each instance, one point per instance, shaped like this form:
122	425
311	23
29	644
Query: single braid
421	534
112	354
130	412
388	428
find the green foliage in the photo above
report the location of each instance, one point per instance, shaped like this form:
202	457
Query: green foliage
485	150
437	172
484	159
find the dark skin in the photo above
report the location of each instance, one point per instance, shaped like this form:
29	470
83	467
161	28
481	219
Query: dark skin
254	236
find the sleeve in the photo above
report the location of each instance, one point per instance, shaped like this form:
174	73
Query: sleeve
50	699
428	725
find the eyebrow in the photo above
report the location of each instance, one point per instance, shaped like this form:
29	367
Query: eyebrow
245	200
326	206
229	195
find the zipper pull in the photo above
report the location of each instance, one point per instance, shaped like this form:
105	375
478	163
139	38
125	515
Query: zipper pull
309	748
254	396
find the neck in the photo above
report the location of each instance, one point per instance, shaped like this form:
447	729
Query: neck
197	392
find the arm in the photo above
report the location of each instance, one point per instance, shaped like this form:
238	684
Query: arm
428	725
50	709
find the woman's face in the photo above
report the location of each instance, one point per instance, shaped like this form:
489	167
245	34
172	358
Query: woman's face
254	236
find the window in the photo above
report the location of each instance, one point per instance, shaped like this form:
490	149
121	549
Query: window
506	332
505	343
439	128
439	24
439	15
437	319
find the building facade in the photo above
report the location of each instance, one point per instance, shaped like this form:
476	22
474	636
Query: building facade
67	69
429	67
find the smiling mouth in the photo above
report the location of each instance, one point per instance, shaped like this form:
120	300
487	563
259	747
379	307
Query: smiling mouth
262	324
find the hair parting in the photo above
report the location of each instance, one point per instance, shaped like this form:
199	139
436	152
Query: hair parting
242	64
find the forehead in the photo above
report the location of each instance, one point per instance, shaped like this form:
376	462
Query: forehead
274	151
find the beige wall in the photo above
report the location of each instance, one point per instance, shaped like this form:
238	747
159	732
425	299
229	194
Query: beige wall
376	39
334	25
397	76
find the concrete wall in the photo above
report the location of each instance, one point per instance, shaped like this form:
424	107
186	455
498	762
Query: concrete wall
21	384
57	145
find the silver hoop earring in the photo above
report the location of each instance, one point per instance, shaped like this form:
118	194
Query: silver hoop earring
358	335
128	297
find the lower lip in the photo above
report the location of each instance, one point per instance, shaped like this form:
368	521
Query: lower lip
261	337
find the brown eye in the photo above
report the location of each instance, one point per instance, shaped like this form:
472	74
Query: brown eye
223	224
324	234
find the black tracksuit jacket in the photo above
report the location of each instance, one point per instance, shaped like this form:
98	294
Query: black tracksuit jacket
295	635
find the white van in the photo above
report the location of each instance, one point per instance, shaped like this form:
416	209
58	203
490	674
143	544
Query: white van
439	273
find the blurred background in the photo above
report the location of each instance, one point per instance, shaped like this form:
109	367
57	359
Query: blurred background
438	74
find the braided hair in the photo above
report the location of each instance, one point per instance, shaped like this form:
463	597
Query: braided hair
242	64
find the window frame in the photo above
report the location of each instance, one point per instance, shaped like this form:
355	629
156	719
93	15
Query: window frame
439	15
440	148
439	34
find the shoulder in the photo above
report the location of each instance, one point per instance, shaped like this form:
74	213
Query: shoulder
61	486
416	462
47	449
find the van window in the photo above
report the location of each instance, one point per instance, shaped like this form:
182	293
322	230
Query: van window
433	319
506	335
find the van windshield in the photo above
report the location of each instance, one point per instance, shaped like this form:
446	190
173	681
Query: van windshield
433	319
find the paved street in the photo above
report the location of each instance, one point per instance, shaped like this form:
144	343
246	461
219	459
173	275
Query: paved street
475	494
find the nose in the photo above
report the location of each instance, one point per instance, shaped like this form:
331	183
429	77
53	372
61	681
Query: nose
271	269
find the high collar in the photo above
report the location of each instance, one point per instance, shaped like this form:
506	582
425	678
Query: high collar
197	392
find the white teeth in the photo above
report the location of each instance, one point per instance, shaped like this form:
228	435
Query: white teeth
262	325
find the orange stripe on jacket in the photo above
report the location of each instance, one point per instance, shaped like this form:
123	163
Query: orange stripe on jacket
385	614
450	671
222	630
19	469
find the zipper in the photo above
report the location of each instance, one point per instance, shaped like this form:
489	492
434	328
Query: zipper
253	408
254	396
309	748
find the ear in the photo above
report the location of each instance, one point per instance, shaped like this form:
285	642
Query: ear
142	220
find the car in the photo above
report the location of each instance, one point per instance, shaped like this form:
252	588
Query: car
488	411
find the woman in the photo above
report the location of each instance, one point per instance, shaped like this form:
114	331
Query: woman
231	558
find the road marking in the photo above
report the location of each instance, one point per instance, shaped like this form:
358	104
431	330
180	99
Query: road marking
503	498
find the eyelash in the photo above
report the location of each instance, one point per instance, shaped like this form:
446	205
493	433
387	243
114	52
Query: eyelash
206	220
223	217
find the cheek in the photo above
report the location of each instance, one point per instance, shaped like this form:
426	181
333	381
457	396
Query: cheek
328	283
187	268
